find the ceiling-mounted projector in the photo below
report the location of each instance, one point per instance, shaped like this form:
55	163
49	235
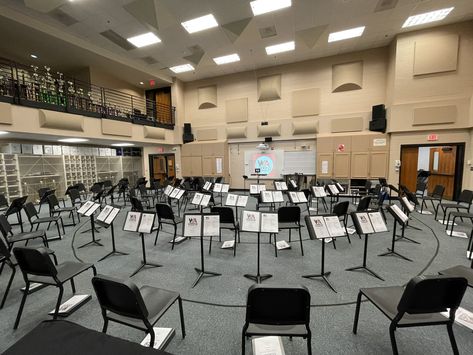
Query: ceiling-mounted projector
262	146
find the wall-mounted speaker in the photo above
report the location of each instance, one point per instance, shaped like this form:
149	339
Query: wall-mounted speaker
187	136
268	139
378	125
378	112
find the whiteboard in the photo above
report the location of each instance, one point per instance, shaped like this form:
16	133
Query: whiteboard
302	162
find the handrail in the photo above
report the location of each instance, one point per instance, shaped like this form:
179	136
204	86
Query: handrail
39	87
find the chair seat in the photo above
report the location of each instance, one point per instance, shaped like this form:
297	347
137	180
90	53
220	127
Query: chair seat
65	271
460	270
157	302
229	225
64	209
45	219
461	215
431	198
387	299
19	237
280	330
288	225
452	205
176	220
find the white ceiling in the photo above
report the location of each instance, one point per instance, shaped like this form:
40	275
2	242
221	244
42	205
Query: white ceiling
314	18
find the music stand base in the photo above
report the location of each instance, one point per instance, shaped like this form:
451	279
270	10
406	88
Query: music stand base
203	273
394	253
92	242
407	239
113	253
143	265
258	278
365	268
324	278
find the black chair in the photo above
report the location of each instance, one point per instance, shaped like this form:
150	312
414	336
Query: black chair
56	210
461	271
166	216
418	304
463	203
34	219
136	205
82	190
140	308
11	239
145	195
289	217
364	204
421	187
437	195
3	203
36	266
340	209
279	311
43	196
227	221
76	200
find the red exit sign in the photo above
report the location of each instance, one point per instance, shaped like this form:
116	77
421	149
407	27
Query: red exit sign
432	137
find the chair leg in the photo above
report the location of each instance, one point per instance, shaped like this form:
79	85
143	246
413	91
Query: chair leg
58	303
243	340
210	245
392	330
174	238
73	286
357	313
333	242
12	276
235	243
22	305
157	233
452	339
181	315
290	230
300	239
105	325
153	336
309	343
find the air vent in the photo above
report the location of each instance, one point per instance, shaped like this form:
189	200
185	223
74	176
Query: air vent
64	18
149	60
267	32
384	5
114	37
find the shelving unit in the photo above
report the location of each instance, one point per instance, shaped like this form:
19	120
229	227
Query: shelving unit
80	168
131	168
12	184
109	168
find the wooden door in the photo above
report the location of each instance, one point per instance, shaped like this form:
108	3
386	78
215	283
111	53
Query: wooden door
171	166
164	106
409	158
442	169
159	168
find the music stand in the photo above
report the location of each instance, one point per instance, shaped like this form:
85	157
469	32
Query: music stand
110	193
15	208
397	219
407	209
89	212
108	220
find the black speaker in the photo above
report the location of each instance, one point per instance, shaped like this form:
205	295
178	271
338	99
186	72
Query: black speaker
187	128
268	139
378	112
378	125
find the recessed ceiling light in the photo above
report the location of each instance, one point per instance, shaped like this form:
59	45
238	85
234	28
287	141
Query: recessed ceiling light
346	34
427	17
227	59
3	132
200	23
34	56
122	144
73	140
142	83
182	68
260	7
279	48
144	39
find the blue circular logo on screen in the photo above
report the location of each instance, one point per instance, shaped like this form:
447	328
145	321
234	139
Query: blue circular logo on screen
265	164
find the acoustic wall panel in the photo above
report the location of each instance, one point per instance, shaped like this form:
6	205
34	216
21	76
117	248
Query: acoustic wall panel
5	113
154	133
360	165
305	127
207	134
324	164
378	164
269	88
207	97
272	130
236	132
305	102
116	128
436	54
236	110
61	120
341	165
352	124
435	115
347	76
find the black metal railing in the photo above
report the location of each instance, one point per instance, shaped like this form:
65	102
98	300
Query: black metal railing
39	87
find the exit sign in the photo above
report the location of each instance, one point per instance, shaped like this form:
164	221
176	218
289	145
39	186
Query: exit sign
432	137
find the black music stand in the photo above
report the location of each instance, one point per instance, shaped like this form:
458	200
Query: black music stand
114	251
92	226
15	208
110	193
391	251
406	210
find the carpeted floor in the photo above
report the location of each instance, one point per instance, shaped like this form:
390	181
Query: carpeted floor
214	310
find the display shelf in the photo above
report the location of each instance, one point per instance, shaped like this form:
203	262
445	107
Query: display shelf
10	176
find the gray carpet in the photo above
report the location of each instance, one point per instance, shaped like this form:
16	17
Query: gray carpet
214	309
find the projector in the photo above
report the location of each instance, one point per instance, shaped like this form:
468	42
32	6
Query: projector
262	146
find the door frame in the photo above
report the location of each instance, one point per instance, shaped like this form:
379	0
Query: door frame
458	180
151	166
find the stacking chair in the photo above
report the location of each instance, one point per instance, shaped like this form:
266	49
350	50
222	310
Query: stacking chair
6	258
140	308
145	195
289	217
43	196
11	239
136	205
34	219
463	203
82	190
55	209
418	304
166	216
74	195
437	195
279	311
363	205
340	209
227	221
3	203
461	271
36	266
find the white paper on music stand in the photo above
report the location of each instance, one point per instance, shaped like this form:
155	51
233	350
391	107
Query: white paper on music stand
132	221
283	186
319	191
197	198
270	345
231	200
377	222
242	201
269	222
217	187
207	185
333	189
293	196
278	196
402	216
266	196
146	223
161	338
253	189
92	209
85	207
320	230
261	188
301	197
293	183
364	223
180	193
168	190
104	213
407	204
192	225
334	227
225	187
250	221
205	200
462	316
112	216
339	187
174	193
211	225
277	185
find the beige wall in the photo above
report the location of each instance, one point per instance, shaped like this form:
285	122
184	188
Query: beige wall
112	81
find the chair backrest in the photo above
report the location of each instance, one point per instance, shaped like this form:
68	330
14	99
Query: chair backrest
34	261
341	208
367	186
364	204
53	202
3	201
466	196
432	294
5	226
120	297
107	183
30	210
164	211
276	305
4	251
225	213
136	204
81	187
96	187
74	195
438	191
142	189
307	193
42	191
377	189
288	214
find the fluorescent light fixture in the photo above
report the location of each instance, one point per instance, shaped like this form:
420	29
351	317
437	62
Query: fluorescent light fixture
346	34
73	140
122	144
200	23
427	17
227	59
260	7
34	56
144	39
282	47
3	132
182	68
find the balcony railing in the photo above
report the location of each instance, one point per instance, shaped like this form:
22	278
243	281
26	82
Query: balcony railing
40	88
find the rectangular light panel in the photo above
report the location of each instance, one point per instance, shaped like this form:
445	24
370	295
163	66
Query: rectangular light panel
282	47
144	40
427	17
182	68
231	58
200	23
346	34
260	7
